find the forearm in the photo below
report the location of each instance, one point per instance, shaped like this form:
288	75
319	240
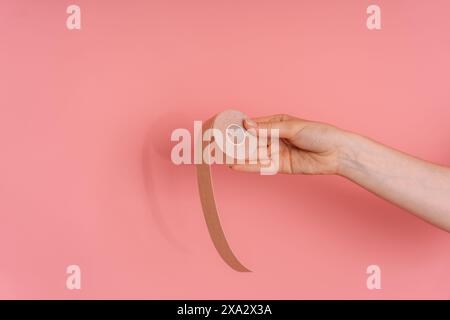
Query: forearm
415	185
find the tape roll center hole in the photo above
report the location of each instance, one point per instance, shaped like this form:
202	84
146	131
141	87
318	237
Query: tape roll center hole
235	134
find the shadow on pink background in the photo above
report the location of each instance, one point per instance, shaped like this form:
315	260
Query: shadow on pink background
80	111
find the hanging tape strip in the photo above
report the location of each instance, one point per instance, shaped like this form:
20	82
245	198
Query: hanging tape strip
222	122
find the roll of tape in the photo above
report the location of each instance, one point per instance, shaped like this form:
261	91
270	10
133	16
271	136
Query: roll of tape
228	128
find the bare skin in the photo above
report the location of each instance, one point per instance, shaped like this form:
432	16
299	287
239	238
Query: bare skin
307	147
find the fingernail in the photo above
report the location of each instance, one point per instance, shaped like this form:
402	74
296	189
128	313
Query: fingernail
251	123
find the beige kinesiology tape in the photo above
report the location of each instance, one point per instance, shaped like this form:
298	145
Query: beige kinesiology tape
228	142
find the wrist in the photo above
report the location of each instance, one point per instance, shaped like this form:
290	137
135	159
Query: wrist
349	147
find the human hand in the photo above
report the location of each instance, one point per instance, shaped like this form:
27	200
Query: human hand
305	147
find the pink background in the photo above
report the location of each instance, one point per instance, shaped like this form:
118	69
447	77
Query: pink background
79	109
